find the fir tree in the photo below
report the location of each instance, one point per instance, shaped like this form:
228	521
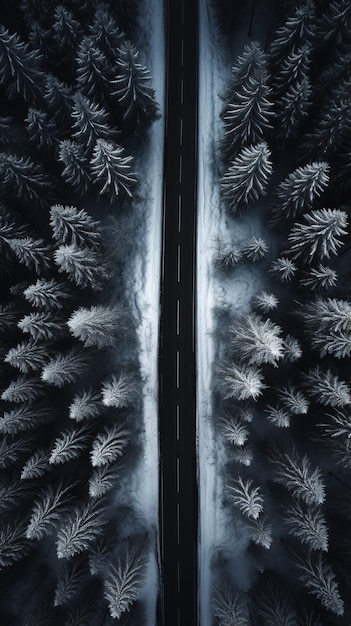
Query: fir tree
12	493
119	391
298	191
52	502
308	525
292	349
48	294
278	416
36	465
318	237
65	368
297	29
292	109
132	88
124	581
317	575
327	322
293	70
23	389
70	579
20	66
83	266
252	63
265	301
35	254
260	531
284	269
22	418
293	400
76	166
58	98
255	249
102	480
69	445
318	278
43	325
97	326
246	497
40	39
229	607
42	130
74	226
112	171
105	33
90	123
99	556
235	430
256	341
247	177
12	136
327	388
22	178
243	455
67	32
41	10
272	603
295	473
85	405
12	449
240	382
226	257
334	23
94	72
109	445
13	544
8	317
83	525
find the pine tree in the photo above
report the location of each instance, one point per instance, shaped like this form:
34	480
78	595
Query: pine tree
51	504
94	72
70	580
246	497
124	581
229	607
40	39
81	527
69	445
256	341
247	177
86	404
83	265
318	577
24	179
292	349
293	70
90	123
102	480
35	254
12	136
295	473
23	389
8	318
12	494
247	117
13	544
42	130
318	237
58	98
278	416
41	10
119	391
293	400
243	455
12	449
20	66
65	368
298	191
67	32
132	88
112	171
43	325
48	294
36	465
273	604
226	256
318	278
109	445
240	382
260	531
327	323
255	249
75	171
99	556
105	33
334	23
22	418
235	430
265	301
327	388
284	269
292	109
252	63
74	226
297	29
308	525
97	326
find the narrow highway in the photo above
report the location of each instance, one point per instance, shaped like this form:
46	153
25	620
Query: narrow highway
178	471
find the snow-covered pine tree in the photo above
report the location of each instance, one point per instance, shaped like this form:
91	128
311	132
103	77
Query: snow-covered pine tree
319	278
67	33
12	493
255	340
90	123
8	318
99	555
69	444
24	417
12	137
84	267
119	391
278	416
40	10
283	269
338	429
36	465
80	529
132	88
252	63
229	606
49	294
293	70
112	171
307	523
318	237
292	109
32	252
243	455
74	226
334	22
58	98
23	389
42	130
296	474
40	39
124	580
235	430
67	368
94	73
297	29
293	400
109	445
24	179
317	575
247	177
97	326
70	579
20	67
102	480
292	349
265	301
226	256
247	118
76	166
85	405
13	543
327	316
246	497
81	616
52	502
273	604
327	388
298	191
241	382
105	33
12	449
43	325
254	249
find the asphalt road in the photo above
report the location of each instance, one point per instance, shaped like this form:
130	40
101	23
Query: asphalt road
178	471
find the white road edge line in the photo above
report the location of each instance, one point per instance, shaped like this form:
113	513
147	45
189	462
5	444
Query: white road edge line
181	132
179	212
178	320
178	473
180	168
178	263
177	368
177	421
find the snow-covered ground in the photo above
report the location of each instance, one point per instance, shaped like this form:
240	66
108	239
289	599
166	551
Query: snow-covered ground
213	293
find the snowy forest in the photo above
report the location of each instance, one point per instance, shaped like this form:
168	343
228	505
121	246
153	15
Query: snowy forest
282	378
77	104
